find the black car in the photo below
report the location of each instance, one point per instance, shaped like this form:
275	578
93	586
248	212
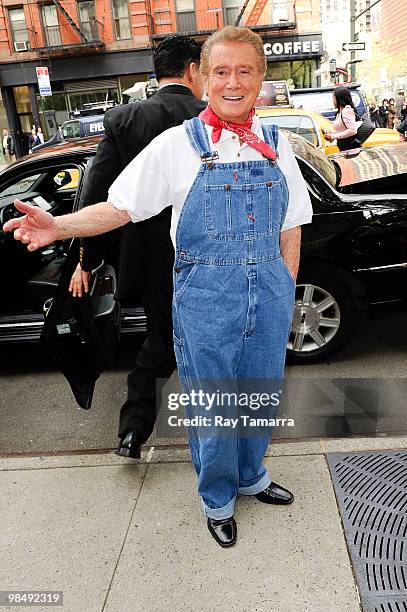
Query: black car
51	179
354	254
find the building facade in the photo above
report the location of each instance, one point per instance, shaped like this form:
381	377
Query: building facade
95	49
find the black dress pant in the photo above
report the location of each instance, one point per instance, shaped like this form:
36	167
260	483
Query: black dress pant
155	360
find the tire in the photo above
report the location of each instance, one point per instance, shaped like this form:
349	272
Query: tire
325	316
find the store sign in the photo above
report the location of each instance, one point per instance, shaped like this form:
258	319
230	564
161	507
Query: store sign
44	84
290	47
273	93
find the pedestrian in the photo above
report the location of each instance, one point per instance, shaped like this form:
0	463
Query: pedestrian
346	122
238	201
402	128
8	147
40	135
384	112
403	109
392	113
33	140
143	268
375	113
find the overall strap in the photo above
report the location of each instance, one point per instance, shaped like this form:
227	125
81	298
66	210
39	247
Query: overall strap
270	133
198	137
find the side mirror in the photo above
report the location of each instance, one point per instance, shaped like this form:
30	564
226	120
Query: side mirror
63	178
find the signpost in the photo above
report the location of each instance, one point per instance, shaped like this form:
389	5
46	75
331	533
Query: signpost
44	84
353	46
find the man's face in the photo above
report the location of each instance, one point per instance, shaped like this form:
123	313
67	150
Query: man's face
4	132
233	82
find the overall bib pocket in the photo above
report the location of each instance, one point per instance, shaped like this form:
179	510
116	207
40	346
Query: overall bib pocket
243	212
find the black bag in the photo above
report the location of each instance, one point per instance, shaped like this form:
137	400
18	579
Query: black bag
364	131
83	333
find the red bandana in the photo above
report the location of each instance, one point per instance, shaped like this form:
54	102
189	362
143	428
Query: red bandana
241	129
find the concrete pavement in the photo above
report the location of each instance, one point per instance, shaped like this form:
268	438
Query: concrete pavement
122	536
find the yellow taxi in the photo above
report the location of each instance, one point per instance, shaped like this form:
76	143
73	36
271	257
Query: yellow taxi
310	126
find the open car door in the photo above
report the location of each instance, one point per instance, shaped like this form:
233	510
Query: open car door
82	334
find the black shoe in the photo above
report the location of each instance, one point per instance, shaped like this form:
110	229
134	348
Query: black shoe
129	447
274	494
224	531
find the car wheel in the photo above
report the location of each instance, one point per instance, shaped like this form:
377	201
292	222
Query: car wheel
325	316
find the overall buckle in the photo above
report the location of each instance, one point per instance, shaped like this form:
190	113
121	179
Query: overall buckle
209	158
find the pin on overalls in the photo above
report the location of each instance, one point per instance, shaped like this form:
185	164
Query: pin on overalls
233	304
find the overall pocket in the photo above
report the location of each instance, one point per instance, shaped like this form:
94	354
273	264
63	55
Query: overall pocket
182	366
183	273
243	212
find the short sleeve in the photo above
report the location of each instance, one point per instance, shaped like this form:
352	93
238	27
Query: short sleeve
299	211
142	189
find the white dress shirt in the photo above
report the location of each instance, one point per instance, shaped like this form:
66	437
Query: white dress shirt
163	174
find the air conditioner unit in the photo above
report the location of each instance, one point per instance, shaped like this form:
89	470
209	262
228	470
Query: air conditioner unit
21	46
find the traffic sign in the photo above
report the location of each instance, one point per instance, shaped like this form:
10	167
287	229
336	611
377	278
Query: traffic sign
44	84
353	46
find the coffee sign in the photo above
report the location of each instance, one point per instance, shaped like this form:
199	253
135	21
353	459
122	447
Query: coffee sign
293	47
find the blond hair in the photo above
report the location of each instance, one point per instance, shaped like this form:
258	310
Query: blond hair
234	34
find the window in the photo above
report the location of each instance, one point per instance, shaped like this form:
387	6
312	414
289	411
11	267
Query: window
51	26
121	19
71	129
232	10
280	11
186	21
18	28
87	19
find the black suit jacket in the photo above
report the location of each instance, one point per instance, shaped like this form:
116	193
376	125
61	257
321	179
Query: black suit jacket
143	251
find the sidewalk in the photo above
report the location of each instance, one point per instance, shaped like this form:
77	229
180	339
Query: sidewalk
121	536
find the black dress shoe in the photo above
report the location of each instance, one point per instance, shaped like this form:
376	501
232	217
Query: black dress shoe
224	531
129	447
274	494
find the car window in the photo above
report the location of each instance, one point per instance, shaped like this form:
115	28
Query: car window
21	186
316	158
73	184
318	101
307	130
286	122
71	129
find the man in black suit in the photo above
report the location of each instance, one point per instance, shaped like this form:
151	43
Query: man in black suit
146	253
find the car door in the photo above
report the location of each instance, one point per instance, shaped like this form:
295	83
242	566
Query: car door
83	333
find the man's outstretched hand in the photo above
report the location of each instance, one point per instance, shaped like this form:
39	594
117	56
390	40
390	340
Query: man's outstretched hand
36	229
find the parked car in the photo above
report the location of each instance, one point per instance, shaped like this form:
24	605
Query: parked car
319	100
80	127
354	253
310	126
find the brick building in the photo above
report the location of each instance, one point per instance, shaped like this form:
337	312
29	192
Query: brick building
393	25
97	48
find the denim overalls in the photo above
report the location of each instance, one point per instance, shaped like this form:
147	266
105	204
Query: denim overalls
233	304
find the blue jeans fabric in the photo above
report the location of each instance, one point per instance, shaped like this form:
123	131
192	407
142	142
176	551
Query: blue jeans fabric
232	308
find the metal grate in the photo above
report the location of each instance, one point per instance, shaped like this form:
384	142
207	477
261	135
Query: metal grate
371	489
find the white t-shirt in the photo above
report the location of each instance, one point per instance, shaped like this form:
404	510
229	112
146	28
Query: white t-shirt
163	174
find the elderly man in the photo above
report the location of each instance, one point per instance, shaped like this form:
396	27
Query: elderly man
238	202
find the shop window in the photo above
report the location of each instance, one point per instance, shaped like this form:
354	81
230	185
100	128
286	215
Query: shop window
51	26
87	19
18	29
121	19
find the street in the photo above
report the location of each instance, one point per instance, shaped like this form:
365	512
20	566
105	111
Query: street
39	414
